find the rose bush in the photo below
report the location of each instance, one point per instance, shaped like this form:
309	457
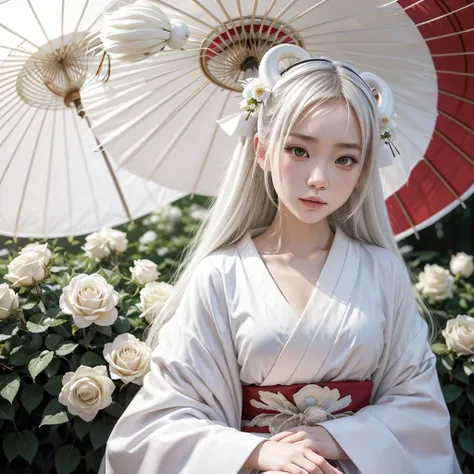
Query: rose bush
72	352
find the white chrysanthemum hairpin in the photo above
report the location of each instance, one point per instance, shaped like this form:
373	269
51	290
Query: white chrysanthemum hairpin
254	93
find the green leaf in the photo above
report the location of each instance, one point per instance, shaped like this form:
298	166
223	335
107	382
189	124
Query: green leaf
31	396
54	413
7	410
57	322
9	447
53	341
26	445
19	355
53	368
439	348
468	368
91	359
106	330
9	386
448	361
8	329
114	409
82	427
470	393
466	440
67	459
451	392
122	325
54	385
74	329
100	431
29	306
36	342
38	323
66	348
459	374
37	364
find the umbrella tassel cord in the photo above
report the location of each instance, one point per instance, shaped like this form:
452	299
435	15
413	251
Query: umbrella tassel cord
111	171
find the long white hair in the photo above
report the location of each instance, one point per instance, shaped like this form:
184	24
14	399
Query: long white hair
246	197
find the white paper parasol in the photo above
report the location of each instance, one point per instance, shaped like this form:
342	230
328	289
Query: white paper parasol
172	99
52	184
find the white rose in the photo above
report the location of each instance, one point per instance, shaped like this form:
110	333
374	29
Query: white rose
96	247
116	240
144	271
174	214
148	237
40	249
435	282
8	301
90	299
459	335
86	391
129	358
152	298
26	267
462	263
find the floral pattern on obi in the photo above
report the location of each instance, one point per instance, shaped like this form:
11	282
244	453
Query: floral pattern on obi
313	405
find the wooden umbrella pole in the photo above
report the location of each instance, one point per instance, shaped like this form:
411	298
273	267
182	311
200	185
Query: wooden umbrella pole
76	99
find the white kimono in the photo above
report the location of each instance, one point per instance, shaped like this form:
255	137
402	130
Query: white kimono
235	327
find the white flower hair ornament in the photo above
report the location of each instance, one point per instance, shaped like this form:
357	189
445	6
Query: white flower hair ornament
256	91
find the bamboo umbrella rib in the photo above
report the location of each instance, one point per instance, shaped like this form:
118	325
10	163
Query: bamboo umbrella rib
41	27
141	142
455	73
455	96
25	131
48	178
456	121
265	16
28	174
20	36
252	23
448	35
62	25
86	168
211	142
219	23
241	21
81	16
407	215
13	127
127	106
452	12
445	55
443	181
454	147
370	11
413	5
16	102
183	129
182	12
68	177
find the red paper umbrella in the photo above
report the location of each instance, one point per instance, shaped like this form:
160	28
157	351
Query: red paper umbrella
151	111
444	178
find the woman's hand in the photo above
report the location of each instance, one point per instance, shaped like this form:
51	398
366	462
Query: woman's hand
274	457
315	438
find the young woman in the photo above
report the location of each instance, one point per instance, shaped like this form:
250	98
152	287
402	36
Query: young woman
292	341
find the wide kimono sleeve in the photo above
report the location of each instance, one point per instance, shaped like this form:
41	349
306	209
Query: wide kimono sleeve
406	429
186	417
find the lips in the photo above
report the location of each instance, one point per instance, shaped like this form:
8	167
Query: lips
314	199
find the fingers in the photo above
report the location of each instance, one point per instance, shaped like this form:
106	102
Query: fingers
282	435
320	462
294	437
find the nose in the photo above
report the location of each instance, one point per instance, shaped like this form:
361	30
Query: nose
318	178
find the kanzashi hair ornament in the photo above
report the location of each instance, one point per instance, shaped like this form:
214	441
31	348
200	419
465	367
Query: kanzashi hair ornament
256	91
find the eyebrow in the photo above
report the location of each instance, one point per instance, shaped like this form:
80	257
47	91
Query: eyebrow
354	146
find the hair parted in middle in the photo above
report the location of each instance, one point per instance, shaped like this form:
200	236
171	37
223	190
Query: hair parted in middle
246	198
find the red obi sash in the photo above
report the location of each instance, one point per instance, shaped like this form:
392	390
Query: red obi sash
359	391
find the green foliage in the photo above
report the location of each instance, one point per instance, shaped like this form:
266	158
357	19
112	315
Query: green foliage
40	345
455	370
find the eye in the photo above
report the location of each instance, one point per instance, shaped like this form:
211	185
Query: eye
297	151
346	161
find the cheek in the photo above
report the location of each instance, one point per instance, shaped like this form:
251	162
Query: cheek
348	179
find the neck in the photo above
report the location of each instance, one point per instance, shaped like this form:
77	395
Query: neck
288	235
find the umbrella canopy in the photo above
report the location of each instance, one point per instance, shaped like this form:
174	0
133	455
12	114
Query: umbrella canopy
52	183
158	116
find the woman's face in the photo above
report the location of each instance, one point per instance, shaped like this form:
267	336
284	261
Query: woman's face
322	160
